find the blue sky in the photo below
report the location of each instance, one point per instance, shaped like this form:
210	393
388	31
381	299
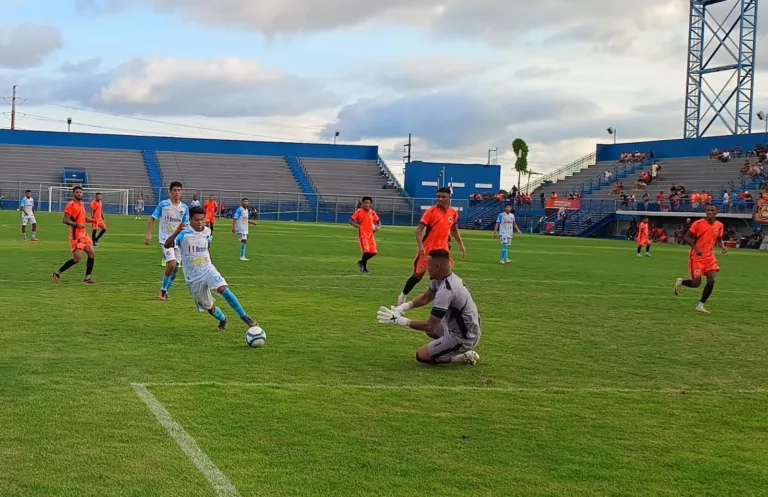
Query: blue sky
462	76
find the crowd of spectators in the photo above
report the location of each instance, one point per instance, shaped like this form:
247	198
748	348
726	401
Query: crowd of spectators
390	181
636	156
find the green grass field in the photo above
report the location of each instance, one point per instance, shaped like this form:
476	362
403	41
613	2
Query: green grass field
594	379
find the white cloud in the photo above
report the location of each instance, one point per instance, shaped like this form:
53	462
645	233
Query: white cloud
27	45
421	74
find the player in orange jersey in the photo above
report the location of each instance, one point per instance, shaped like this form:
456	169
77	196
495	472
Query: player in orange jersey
434	232
76	219
702	236
367	222
644	238
211	209
97	213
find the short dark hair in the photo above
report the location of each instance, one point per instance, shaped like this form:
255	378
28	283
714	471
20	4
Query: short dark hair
440	254
444	189
193	211
244	199
78	187
98	193
368	198
27	191
174	184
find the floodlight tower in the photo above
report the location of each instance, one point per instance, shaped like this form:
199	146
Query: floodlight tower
721	66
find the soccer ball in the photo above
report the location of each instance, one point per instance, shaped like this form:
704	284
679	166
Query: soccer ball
255	337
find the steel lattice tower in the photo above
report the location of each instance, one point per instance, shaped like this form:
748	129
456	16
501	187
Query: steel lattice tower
721	66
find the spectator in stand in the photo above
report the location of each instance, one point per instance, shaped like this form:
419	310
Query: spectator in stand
725	156
632	230
608	175
632	202
695	199
618	188
624	202
554	195
706	199
655	171
646	200
714	154
738	152
543	200
726	202
527	201
748	200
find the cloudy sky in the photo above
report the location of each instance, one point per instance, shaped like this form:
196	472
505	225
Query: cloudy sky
462	76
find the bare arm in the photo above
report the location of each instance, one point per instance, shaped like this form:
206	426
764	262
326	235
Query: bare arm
721	244
517	228
171	241
68	221
457	237
690	241
354	224
429	326
496	230
419	237
150	225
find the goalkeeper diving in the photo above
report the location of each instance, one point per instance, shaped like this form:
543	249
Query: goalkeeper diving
454	323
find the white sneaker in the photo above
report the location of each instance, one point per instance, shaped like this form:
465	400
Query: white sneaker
678	286
508	261
244	259
471	357
639	255
502	261
647	254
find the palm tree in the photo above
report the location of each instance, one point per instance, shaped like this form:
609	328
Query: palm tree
520	148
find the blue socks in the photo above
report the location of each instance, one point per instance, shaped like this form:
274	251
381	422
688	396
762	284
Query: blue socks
234	303
34	235
505	252
243	248
219	315
166	283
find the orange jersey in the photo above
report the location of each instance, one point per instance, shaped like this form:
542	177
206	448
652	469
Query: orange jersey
706	236
437	235
76	212
644	234
97	211
211	209
366	220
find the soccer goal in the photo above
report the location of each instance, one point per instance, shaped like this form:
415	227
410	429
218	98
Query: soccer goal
115	200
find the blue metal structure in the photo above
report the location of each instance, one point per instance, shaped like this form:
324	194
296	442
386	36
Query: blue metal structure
721	66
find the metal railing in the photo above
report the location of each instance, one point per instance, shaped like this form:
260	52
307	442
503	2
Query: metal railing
562	173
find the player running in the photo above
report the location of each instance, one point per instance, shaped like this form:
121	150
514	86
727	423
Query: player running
139	206
367	222
193	242
97	213
171	213
27	208
504	230
702	236
75	217
644	238
434	232
240	224
454	322
211	210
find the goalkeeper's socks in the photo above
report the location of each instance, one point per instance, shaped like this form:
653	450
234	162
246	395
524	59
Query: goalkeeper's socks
234	303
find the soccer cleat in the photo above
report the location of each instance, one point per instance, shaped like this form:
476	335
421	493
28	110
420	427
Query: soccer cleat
222	326
702	310
508	261
647	254
162	262
366	272
244	259
678	286
360	266
95	245
640	255
248	320
89	282
471	357
56	277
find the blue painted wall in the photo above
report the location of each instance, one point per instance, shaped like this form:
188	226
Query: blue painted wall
470	175
191	145
694	147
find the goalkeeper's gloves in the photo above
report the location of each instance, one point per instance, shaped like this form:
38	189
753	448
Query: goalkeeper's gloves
403	308
389	316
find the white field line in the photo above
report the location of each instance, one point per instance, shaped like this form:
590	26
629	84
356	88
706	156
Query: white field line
457	388
220	483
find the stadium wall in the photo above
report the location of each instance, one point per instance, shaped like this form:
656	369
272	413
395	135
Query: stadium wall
421	179
187	145
691	147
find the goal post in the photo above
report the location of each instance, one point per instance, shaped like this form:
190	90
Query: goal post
115	200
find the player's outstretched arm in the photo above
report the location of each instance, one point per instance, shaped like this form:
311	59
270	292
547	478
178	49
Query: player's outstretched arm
422	300
388	316
457	236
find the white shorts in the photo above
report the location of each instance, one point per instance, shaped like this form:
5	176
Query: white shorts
25	220
242	236
171	254
201	290
505	239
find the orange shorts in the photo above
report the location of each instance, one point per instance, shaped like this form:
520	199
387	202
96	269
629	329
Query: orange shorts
421	264
210	220
80	243
643	241
700	266
99	225
368	244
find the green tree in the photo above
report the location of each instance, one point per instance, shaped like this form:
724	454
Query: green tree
520	148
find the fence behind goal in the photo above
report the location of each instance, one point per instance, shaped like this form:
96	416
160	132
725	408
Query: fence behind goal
114	200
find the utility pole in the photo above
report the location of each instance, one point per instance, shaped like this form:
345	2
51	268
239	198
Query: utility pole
13	108
489	154
407	148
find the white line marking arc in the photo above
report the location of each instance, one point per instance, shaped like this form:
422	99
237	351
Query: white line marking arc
220	483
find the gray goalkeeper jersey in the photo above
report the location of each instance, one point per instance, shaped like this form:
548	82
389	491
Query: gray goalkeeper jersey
456	307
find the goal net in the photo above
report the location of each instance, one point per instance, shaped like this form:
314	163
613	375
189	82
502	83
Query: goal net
115	200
